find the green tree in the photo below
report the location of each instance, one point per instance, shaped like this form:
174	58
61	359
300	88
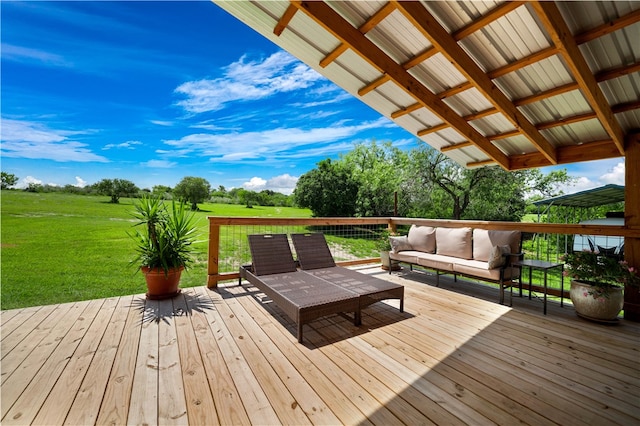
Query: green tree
8	180
329	190
161	191
116	188
444	189
378	171
193	189
220	192
247	197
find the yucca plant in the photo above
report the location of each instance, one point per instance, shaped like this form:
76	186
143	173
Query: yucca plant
165	242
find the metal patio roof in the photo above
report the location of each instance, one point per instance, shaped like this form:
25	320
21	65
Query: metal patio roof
518	84
608	194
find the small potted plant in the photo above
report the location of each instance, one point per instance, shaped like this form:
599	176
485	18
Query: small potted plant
163	244
597	283
384	246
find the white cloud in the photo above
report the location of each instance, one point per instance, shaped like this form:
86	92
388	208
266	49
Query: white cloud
80	183
581	184
25	54
273	144
614	175
159	164
123	145
592	174
255	184
25	182
284	184
32	140
163	123
248	80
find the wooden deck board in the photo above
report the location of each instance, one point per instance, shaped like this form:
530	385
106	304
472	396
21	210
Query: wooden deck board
86	404
231	356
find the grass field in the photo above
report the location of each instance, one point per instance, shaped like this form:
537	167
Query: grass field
61	247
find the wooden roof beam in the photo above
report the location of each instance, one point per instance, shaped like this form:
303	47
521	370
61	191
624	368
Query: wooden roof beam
535	57
284	20
370	24
609	27
329	19
601	76
420	17
495	13
561	35
598	150
627	106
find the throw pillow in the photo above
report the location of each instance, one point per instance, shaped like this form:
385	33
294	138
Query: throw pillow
484	240
496	257
399	244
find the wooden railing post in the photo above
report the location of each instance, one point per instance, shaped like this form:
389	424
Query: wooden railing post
632	221
392	227
214	253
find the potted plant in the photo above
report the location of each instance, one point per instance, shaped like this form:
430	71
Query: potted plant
384	246
163	244
597	284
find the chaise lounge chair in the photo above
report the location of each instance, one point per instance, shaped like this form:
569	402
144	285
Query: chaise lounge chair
315	258
302	297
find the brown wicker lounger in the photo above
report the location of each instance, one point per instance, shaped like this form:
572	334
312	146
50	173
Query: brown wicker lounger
315	258
301	296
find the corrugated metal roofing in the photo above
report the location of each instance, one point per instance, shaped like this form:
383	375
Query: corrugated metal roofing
608	194
535	103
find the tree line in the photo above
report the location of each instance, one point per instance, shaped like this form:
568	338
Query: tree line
380	180
191	189
371	180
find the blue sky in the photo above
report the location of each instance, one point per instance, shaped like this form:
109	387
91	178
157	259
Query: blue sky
156	91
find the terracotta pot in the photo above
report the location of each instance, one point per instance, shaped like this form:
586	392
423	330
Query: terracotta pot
604	309
160	285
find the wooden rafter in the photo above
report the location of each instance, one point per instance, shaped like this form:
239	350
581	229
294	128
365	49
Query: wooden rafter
609	27
584	37
420	17
627	106
568	154
498	72
561	35
601	76
492	15
284	20
325	16
495	13
371	23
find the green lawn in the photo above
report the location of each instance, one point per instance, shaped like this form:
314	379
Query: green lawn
60	247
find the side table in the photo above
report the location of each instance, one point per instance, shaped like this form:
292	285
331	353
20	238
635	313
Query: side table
541	265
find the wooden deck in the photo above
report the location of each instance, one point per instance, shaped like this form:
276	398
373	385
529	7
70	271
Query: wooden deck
230	357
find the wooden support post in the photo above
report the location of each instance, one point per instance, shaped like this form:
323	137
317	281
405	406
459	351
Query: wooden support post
632	220
214	252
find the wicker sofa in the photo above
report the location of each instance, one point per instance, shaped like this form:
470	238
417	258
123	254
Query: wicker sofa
478	253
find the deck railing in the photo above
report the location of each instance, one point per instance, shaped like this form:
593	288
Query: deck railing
228	247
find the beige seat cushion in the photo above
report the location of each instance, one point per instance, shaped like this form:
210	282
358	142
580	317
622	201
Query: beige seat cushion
481	270
436	261
408	256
